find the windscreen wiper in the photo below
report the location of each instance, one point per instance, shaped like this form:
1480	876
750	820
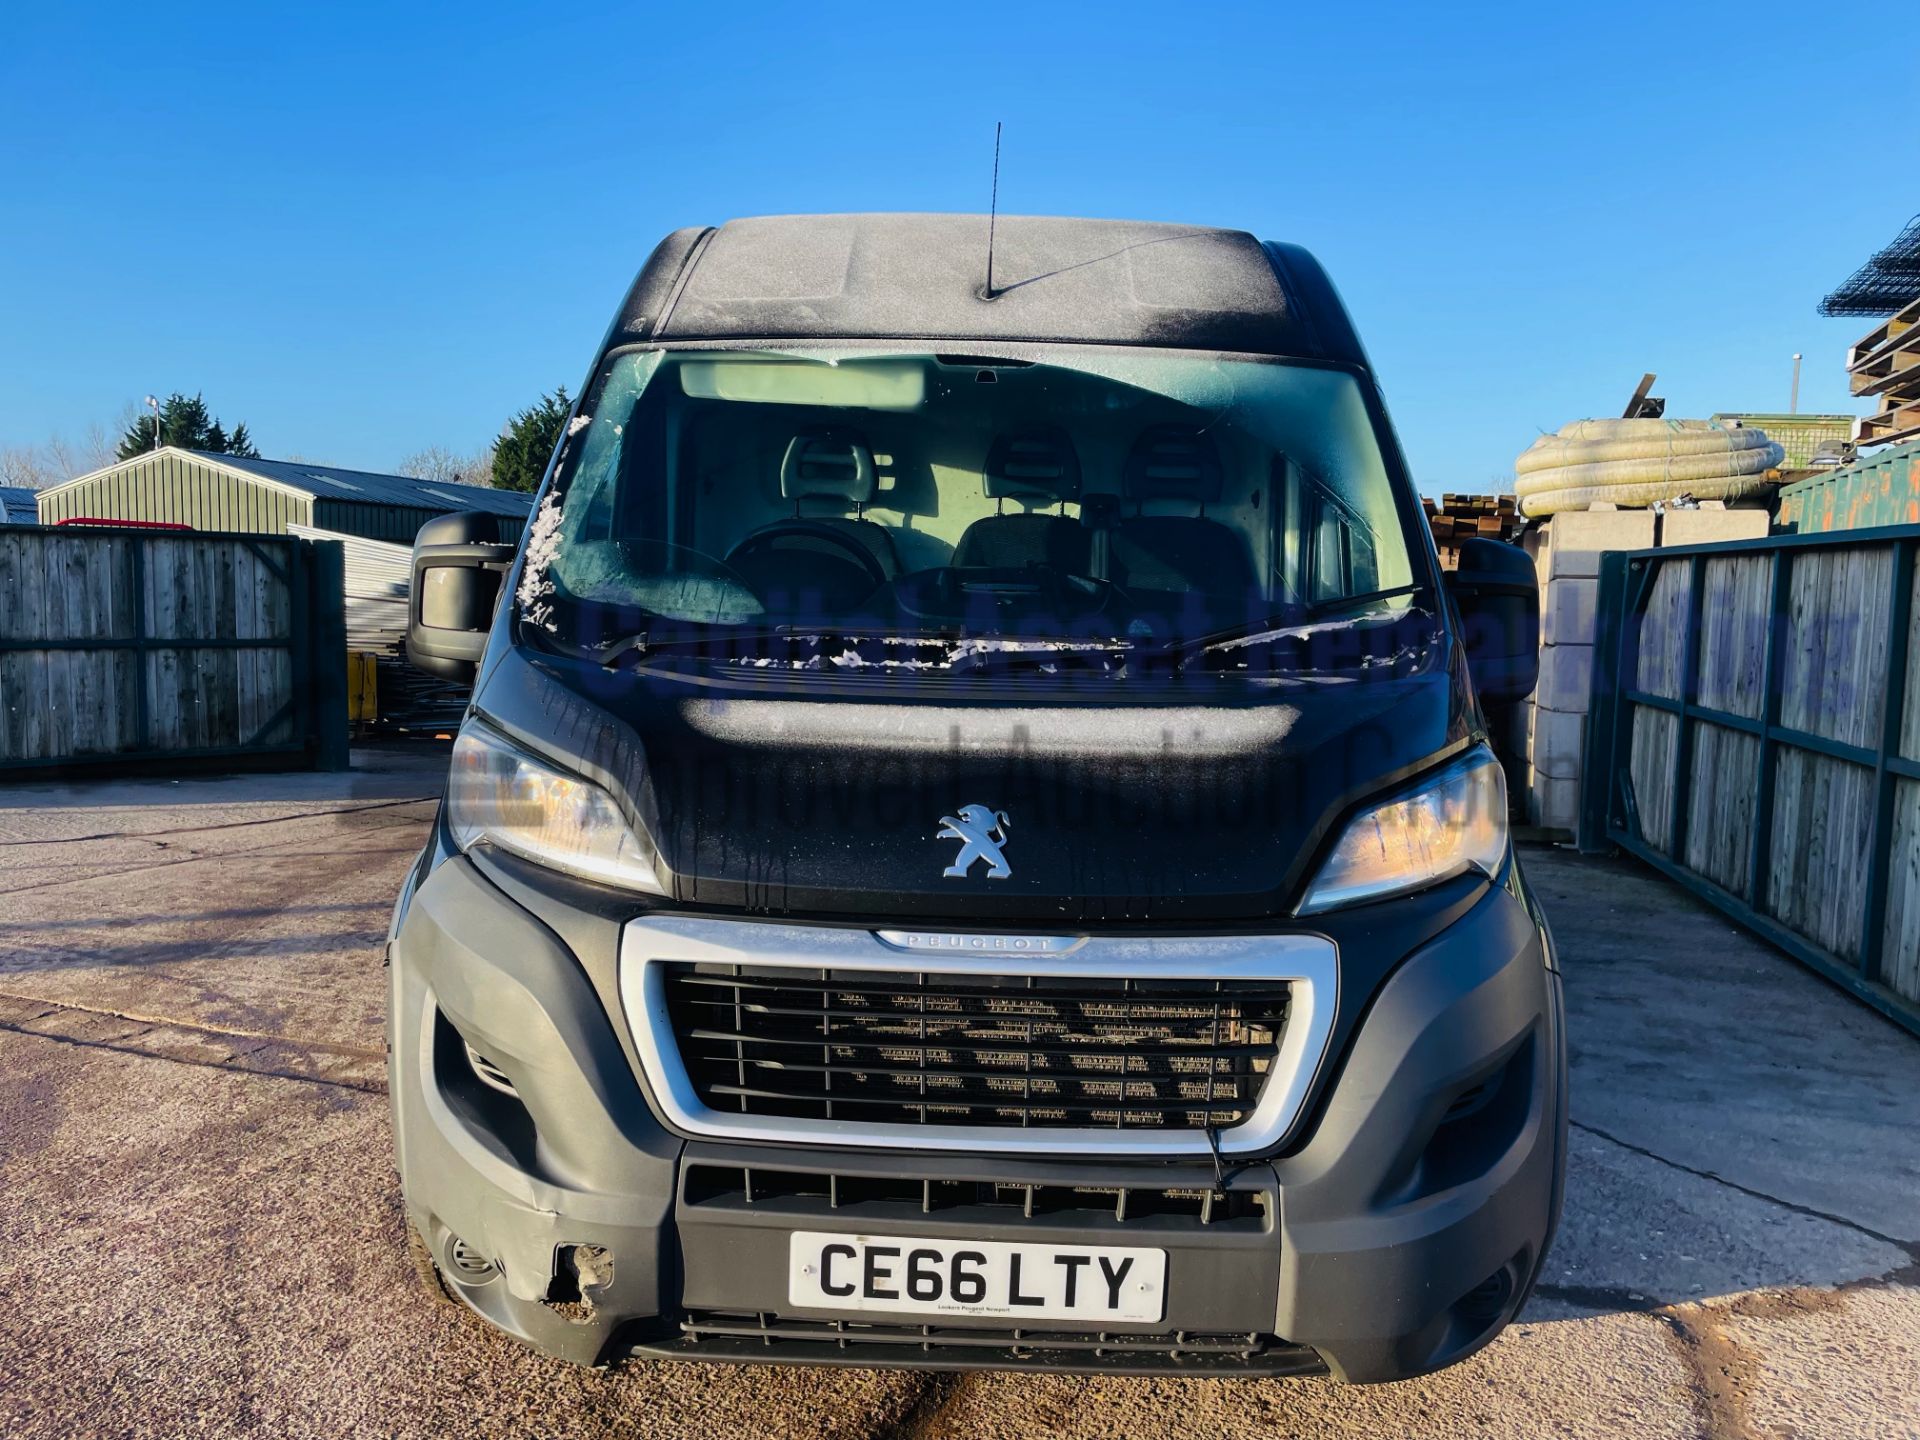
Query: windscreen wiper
646	642
1295	622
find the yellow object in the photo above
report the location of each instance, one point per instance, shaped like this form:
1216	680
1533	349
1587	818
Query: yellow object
363	691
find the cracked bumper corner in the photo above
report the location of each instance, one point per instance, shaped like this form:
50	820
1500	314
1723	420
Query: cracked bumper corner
571	1165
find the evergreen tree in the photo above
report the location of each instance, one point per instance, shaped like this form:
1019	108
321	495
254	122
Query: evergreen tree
186	422
520	458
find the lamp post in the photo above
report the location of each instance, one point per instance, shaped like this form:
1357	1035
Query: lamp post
1793	399
154	405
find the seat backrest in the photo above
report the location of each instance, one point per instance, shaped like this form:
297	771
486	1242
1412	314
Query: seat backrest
833	465
1036	467
1178	553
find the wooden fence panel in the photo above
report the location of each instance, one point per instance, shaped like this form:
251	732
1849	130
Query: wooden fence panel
123	644
1733	641
1821	813
1725	780
1909	743
1755	735
1663	632
1652	774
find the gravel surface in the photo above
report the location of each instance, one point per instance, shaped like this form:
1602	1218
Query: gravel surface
202	1235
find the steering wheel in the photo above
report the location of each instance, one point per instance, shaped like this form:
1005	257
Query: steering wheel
815	530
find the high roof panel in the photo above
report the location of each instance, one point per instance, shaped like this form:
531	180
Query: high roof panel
925	277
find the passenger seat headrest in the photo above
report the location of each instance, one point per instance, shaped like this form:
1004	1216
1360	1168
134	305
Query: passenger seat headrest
1174	462
828	465
1038	464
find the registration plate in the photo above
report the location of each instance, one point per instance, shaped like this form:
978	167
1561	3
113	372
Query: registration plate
902	1275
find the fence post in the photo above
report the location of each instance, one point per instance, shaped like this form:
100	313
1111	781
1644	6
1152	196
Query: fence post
327	653
140	632
1760	850
1603	707
1681	815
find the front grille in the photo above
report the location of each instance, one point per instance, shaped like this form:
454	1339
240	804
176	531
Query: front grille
720	1335
886	1048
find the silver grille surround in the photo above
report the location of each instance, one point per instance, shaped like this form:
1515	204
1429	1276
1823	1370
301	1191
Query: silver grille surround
650	944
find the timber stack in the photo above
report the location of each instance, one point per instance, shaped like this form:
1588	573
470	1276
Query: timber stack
1459	517
1885	362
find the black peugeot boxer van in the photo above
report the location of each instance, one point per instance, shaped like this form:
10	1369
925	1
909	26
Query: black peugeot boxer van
976	842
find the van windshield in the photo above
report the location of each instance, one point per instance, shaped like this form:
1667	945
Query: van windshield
1059	498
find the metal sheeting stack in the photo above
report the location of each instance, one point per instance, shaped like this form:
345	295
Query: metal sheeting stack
377	578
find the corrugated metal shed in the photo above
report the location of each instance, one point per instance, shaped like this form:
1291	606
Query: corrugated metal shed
226	492
364	487
1882	490
17	505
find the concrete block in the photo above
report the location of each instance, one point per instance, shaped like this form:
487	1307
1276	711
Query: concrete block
1711	527
1566	613
1576	540
1554	804
1566	678
1559	739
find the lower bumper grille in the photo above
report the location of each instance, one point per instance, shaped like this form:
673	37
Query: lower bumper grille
857	1198
1014	1051
720	1335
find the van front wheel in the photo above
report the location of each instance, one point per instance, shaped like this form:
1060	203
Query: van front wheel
420	1254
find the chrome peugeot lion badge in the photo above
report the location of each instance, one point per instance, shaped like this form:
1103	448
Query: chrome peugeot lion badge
981	833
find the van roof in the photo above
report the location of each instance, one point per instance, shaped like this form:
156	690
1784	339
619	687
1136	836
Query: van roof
924	277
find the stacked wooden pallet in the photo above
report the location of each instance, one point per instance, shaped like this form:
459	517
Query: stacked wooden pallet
1886	362
1454	518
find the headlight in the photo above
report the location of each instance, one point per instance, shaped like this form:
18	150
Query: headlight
1455	822
502	795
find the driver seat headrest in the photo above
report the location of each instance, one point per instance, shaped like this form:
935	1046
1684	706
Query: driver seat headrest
1174	462
828	464
1033	465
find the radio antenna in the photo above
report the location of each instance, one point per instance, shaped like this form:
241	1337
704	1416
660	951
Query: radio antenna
993	209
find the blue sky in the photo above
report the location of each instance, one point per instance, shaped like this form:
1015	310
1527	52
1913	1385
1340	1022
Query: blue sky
368	230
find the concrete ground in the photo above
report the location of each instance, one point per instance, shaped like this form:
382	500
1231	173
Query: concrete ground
201	1229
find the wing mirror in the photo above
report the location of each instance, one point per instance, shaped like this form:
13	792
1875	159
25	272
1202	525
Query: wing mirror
459	562
1498	599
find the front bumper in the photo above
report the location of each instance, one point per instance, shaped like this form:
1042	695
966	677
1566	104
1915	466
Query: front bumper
1398	1232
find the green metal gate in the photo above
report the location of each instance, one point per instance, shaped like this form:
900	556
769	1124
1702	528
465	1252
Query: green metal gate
138	645
1755	736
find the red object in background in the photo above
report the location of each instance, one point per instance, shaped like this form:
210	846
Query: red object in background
123	524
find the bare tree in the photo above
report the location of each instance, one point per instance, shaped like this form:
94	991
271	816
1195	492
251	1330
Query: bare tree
479	469
20	465
60	459
439	464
